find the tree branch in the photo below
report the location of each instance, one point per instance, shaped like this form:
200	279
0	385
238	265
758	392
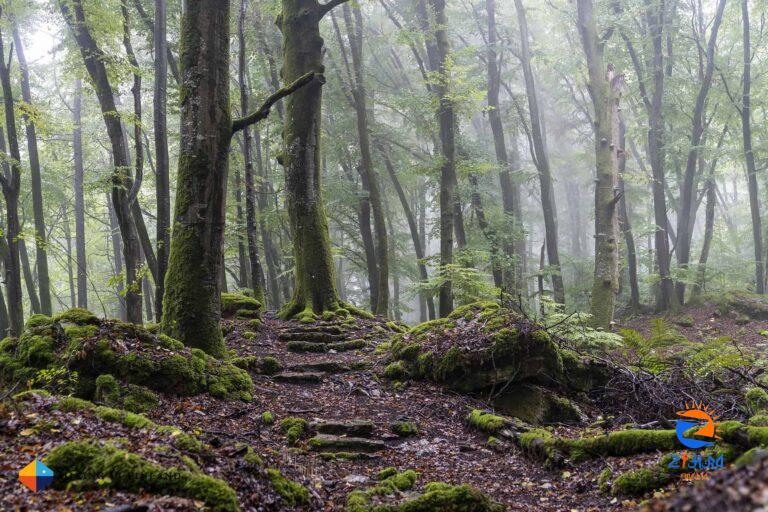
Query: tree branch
263	111
325	8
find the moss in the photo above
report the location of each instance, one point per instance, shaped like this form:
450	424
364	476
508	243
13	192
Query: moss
129	472
405	428
620	443
229	381
305	346
397	327
249	335
759	420
238	304
293	494
395	371
38	320
757	399
604	480
251	457
468	311
683	320
399	482
139	399
35	350
637	482
486	421
78	332
537	405
386	473
267	418
170	343
293	428
343	346
406	351
751	456
77	316
29	393
107	389
8	345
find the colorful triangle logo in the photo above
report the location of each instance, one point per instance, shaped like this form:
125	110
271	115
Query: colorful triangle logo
36	476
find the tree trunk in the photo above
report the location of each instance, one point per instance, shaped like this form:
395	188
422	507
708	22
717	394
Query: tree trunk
749	155
4	318
257	273
687	215
548	205
266	237
162	181
41	254
11	185
315	288
412	226
117	252
77	150
510	192
626	226
192	301
29	279
242	258
605	91
355	36
70	267
94	59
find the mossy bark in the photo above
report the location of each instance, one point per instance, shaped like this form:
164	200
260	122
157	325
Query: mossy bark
191	305
315	287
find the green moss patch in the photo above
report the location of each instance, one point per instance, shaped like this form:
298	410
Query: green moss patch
239	305
293	494
637	482
77	461
293	428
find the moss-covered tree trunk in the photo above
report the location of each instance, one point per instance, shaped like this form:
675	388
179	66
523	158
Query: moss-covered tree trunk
191	308
605	93
315	288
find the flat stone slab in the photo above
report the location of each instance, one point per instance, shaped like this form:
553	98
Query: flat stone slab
320	366
354	428
331	443
299	377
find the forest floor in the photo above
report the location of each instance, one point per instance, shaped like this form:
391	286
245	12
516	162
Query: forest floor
318	387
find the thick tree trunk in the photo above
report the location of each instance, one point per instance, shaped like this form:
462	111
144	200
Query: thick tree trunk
94	59
688	202
315	287
77	185
548	205
192	301
257	273
162	181
605	91
41	254
355	36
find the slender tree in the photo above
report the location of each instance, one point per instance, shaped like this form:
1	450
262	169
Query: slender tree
77	186
162	183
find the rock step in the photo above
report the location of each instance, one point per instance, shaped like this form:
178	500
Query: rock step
353	428
311	336
299	377
327	328
320	366
343	346
333	444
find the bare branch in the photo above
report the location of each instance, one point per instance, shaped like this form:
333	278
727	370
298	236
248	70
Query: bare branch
263	111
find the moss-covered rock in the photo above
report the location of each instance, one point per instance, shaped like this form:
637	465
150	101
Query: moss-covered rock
240	305
637	482
129	472
486	421
331	443
619	443
757	400
492	346
405	428
537	405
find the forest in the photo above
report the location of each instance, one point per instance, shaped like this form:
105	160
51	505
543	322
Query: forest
383	255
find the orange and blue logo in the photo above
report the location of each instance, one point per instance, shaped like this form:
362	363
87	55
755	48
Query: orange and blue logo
36	476
702	416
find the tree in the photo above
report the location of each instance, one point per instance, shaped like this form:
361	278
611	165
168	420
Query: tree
315	286
41	251
162	183
605	91
192	301
123	192
541	159
77	186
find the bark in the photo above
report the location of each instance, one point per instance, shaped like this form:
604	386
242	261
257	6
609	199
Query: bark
605	91
315	287
541	158
41	254
122	183
355	36
257	273
77	185
412	226
242	258
687	214
749	155
162	56
11	184
67	228
29	279
4	317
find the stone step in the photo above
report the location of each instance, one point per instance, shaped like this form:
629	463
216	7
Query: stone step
299	377
326	328
331	443
353	428
342	346
320	366
311	336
